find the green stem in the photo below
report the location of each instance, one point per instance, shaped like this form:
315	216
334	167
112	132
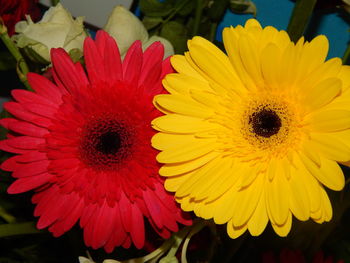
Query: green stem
346	55
22	68
197	17
196	228
175	12
6	216
7	230
300	17
212	34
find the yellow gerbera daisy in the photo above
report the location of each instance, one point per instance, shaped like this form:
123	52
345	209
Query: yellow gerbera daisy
253	136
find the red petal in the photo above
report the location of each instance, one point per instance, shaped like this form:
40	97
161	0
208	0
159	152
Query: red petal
111	56
66	70
40	109
125	212
105	220
53	212
18	111
88	212
68	220
82	75
25	96
138	228
32	156
23	127
30	169
154	207
166	68
94	62
152	66
44	87
43	199
11	164
28	183
132	63
24	142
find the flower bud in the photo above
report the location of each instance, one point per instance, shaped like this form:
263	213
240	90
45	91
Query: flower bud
56	29
126	28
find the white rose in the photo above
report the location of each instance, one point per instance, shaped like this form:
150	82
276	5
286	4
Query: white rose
126	28
56	29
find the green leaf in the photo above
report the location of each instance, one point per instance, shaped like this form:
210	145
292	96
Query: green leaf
187	8
156	8
75	54
7	230
7	61
217	10
151	22
243	7
177	34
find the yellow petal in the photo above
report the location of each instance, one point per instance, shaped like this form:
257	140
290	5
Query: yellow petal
329	173
327	207
198	176
169	170
173	183
182	83
313	55
176	123
187	152
187	204
216	65
311	152
235	232
311	184
330	146
206	98
257	223
230	38
287	66
162	141
322	94
226	176
250	59
326	70
252	23
183	105
344	75
277	198
182	66
248	199
283	230
298	199
270	57
223	212
328	120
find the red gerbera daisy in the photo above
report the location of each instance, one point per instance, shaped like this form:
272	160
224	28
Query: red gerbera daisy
83	145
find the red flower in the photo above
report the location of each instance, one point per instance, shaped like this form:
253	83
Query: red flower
12	11
83	145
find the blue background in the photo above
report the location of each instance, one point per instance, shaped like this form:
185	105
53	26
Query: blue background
277	13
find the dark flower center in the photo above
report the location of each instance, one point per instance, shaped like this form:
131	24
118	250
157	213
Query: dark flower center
265	122
108	143
105	143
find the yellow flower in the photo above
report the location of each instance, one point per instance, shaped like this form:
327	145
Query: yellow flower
254	136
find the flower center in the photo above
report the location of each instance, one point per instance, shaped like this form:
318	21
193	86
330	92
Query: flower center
109	142
265	123
105	143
